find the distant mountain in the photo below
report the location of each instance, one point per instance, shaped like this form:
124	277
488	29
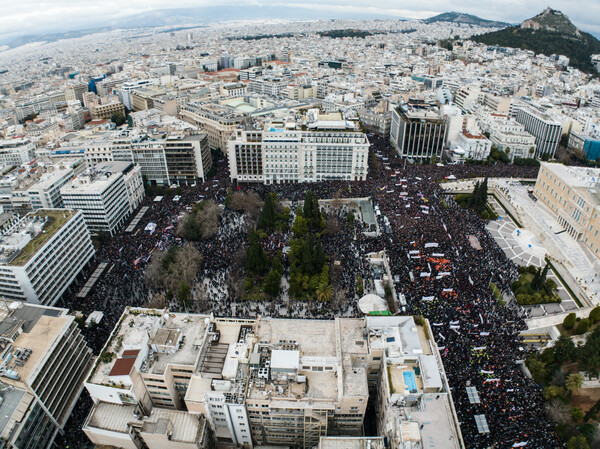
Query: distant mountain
549	33
459	17
187	17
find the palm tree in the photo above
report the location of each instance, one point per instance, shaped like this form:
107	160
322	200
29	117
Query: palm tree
324	292
574	382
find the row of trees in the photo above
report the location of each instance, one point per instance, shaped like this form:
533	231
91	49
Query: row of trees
309	268
571	322
558	370
262	273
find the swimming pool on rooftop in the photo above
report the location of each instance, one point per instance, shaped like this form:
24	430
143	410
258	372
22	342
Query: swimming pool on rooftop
410	381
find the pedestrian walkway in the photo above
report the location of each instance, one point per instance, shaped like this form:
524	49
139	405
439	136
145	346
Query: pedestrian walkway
92	280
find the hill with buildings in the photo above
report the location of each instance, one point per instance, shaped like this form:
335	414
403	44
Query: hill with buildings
467	19
550	33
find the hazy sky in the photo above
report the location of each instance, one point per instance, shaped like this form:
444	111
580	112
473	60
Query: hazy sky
34	16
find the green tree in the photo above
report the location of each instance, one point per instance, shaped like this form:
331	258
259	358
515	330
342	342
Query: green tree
351	219
569	321
574	382
183	293
578	442
583	326
594	316
564	349
272	283
266	220
300	228
256	259
118	119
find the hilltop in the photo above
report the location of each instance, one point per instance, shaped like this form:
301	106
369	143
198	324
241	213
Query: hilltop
550	33
459	17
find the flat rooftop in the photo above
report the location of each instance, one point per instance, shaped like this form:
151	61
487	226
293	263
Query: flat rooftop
314	337
56	219
37	340
116	418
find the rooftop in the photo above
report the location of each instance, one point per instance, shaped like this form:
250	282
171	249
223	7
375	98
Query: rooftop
32	234
40	328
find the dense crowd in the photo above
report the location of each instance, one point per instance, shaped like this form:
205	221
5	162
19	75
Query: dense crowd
442	260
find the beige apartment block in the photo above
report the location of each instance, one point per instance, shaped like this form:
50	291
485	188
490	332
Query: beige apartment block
265	381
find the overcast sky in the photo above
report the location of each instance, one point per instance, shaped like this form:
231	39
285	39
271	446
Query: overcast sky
34	16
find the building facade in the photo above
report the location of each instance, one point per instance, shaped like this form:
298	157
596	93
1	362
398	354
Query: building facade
573	196
188	158
219	122
547	132
43	364
417	131
284	152
106	194
268	382
43	254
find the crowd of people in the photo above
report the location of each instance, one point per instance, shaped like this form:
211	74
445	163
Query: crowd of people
441	257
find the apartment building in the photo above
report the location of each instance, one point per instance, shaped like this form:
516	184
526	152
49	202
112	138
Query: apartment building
268	86
418	131
149	154
586	144
188	158
125	90
42	367
45	194
573	196
509	136
75	91
219	122
42	254
466	98
376	121
268	382
107	110
547	131
106	193
285	151
16	151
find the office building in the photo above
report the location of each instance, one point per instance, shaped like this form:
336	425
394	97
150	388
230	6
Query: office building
15	152
124	92
188	158
573	196
42	367
326	149
106	193
149	154
45	194
261	382
42	254
547	131
588	145
107	110
418	131
217	121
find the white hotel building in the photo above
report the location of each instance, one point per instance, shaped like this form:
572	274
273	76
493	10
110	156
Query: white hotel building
285	152
42	254
107	194
547	131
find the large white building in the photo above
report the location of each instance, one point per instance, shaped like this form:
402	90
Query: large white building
106	193
547	131
42	254
286	152
43	364
418	131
